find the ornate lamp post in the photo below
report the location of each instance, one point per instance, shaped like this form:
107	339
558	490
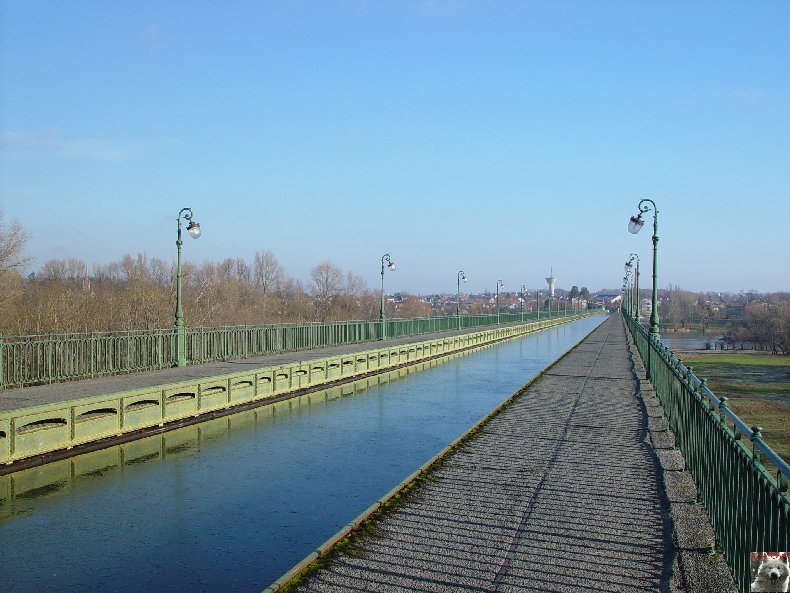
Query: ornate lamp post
521	303
626	300
537	301
391	266
461	276
193	228
634	226
629	265
499	284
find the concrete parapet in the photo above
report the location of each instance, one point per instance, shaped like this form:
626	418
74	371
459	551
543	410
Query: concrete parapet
28	435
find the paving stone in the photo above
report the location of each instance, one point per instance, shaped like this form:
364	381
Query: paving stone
657	424
662	440
671	460
680	486
706	573
692	528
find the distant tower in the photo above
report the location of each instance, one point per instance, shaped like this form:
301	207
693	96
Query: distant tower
552	283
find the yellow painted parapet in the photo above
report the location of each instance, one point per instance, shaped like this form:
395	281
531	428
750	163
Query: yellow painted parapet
44	429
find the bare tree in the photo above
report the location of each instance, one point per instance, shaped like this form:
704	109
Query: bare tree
293	303
243	272
160	272
355	285
53	269
327	285
12	262
682	307
268	272
12	245
227	269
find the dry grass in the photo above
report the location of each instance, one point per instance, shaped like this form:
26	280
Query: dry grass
757	386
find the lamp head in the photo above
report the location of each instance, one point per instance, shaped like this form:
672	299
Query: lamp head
391	265
193	228
466	279
635	224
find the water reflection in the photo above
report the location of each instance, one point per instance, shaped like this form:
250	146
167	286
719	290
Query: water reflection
686	341
232	503
60	476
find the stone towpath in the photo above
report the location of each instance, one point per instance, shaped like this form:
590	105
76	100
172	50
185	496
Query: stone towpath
560	491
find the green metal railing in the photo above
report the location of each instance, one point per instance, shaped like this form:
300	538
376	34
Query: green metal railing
747	505
51	358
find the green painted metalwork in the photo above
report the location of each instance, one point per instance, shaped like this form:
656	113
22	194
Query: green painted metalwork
52	358
391	266
748	507
36	430
180	334
461	276
499	284
634	226
634	305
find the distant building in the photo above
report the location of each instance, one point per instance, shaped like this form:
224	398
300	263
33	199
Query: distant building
552	281
602	299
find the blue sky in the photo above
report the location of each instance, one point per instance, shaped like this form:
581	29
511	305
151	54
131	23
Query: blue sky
502	138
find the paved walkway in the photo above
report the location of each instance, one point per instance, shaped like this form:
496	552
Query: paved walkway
22	397
561	491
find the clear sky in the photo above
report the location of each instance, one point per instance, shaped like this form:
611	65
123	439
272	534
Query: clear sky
501	138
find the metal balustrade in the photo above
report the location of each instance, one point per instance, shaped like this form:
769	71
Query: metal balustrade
747	505
52	358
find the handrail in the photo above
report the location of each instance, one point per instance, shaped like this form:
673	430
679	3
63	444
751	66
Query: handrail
748	507
50	358
510	317
783	469
741	428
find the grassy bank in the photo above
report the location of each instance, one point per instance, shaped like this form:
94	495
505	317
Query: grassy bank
757	386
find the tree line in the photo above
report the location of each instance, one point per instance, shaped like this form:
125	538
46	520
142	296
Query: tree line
766	327
139	293
65	295
747	320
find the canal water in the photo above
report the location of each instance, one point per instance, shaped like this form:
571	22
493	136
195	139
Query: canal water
233	503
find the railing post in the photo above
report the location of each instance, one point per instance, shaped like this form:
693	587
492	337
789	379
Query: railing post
723	410
757	439
93	354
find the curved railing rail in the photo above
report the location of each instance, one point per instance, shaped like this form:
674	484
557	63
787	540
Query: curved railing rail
51	358
747	505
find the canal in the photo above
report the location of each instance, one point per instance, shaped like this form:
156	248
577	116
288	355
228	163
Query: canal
233	503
